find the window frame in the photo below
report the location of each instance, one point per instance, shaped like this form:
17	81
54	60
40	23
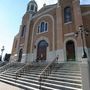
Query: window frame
39	31
32	7
23	31
67	14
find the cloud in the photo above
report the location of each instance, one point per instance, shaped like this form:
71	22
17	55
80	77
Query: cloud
41	2
52	1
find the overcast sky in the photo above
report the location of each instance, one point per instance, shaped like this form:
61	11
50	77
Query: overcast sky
11	12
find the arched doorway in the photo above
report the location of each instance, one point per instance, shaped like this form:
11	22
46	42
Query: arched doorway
70	51
20	55
42	50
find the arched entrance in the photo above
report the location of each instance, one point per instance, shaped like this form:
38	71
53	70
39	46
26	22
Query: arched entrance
70	51
42	50
20	55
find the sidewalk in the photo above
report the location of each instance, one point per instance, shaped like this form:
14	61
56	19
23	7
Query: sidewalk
4	86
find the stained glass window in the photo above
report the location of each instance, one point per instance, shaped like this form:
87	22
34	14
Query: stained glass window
42	27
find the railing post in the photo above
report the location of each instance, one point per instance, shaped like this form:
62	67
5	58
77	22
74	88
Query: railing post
40	82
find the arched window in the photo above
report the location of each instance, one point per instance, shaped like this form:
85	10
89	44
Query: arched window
67	14
42	27
32	7
45	26
23	31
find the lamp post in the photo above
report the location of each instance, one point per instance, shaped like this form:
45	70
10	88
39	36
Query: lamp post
82	31
2	49
85	64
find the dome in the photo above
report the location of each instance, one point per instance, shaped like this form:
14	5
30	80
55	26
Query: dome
33	2
32	6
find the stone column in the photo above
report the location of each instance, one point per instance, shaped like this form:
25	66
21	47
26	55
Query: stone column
59	33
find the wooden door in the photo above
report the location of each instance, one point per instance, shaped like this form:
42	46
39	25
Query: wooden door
70	50
42	50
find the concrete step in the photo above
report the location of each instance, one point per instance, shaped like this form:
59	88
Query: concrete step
65	79
52	81
49	84
53	75
61	87
70	69
77	85
18	84
66	76
68	73
25	85
63	70
36	77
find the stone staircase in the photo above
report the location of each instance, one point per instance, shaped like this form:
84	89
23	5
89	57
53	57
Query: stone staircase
67	77
64	76
11	66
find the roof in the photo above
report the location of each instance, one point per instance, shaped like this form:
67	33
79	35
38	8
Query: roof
85	5
85	8
45	8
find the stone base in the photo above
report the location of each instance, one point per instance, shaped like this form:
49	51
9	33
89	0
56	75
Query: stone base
85	71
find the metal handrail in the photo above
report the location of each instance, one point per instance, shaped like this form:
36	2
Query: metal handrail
5	67
47	70
22	70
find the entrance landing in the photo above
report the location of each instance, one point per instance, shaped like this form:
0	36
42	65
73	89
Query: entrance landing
4	86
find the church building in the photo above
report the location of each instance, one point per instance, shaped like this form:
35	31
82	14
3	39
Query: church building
51	31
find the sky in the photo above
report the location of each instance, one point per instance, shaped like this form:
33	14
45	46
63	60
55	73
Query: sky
11	13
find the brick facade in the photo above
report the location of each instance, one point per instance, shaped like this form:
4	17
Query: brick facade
58	32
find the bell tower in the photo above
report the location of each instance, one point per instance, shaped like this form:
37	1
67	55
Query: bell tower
32	7
25	29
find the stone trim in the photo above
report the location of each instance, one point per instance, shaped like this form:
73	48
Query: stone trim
69	34
75	43
36	44
53	30
37	15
